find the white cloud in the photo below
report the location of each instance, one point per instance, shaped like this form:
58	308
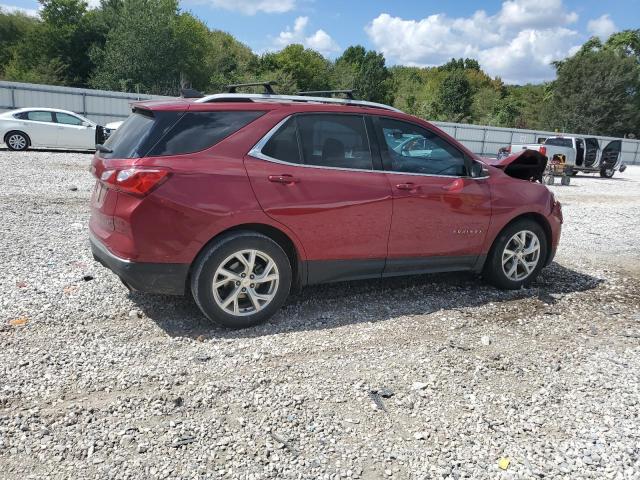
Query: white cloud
602	26
517	43
320	41
32	12
251	7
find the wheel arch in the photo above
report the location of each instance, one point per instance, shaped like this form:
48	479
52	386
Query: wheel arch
298	266
536	217
6	136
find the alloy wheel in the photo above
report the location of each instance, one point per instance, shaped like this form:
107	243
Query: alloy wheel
245	282
17	141
521	255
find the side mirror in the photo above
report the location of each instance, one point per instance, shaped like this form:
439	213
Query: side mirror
86	124
479	170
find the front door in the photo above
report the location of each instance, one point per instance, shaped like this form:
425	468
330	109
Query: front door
440	214
610	155
317	176
591	152
72	133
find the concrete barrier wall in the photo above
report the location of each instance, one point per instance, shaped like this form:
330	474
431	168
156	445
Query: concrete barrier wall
104	106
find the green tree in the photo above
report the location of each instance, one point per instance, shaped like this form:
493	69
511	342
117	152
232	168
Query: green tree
14	27
597	91
153	48
229	61
366	72
305	67
455	97
57	49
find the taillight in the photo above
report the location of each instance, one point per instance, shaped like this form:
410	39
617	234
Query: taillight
136	180
543	150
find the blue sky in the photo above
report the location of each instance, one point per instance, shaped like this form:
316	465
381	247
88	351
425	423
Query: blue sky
513	39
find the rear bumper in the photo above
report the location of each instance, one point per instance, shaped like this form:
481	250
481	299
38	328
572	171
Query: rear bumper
164	278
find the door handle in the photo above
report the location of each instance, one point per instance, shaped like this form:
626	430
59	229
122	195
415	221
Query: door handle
285	179
406	186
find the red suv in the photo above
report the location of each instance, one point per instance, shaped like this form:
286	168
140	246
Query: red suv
238	198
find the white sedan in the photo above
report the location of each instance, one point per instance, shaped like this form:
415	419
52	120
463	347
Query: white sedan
47	128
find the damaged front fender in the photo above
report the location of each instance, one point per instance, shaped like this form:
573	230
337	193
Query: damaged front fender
525	165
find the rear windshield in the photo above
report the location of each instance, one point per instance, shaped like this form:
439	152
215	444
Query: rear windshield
161	133
559	142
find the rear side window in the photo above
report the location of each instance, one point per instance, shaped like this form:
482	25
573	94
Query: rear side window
196	131
283	145
335	141
40	116
161	133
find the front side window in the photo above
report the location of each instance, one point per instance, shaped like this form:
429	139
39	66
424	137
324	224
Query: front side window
413	149
334	141
38	116
67	119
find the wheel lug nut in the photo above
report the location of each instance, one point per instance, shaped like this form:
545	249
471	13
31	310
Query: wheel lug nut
244	289
237	283
252	277
243	275
252	285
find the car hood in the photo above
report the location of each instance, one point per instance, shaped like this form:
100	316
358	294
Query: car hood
525	165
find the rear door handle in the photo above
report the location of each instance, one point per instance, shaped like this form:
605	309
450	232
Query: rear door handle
406	186
285	179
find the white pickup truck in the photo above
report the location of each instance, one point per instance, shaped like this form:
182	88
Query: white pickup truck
580	154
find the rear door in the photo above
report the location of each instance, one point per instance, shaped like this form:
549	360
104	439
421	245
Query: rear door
440	213
72	133
41	128
315	173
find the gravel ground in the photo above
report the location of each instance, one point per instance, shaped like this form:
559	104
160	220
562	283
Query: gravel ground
471	382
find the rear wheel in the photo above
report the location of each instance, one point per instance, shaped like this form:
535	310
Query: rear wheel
16	141
517	255
607	172
241	280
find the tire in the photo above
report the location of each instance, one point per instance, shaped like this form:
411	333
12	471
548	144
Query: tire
565	180
17	141
607	172
548	179
235	286
497	275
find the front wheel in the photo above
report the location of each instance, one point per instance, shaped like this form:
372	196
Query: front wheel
607	172
517	255
241	280
17	141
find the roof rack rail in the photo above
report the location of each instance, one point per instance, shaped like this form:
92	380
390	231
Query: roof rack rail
267	86
265	97
347	93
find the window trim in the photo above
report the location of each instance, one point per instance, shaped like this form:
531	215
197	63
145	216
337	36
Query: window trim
384	150
256	151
